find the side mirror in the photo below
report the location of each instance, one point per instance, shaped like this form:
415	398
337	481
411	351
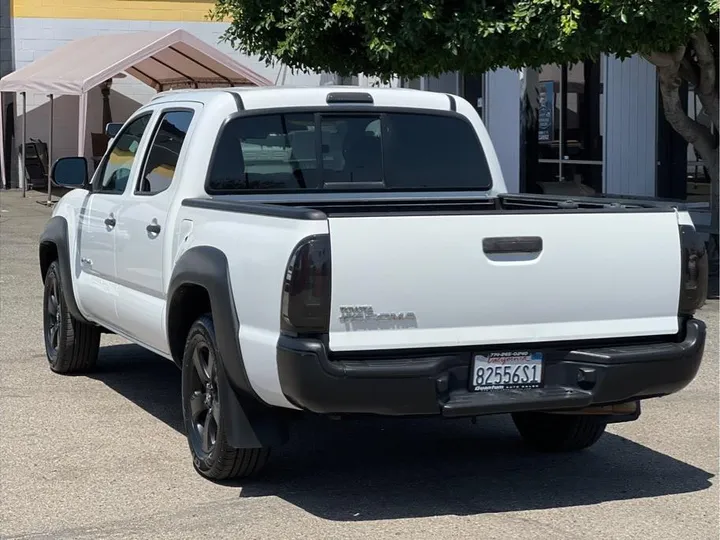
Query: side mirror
112	129
71	172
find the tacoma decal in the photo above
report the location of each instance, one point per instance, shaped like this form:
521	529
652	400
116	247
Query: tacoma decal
367	313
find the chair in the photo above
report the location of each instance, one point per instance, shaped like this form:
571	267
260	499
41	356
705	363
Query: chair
36	164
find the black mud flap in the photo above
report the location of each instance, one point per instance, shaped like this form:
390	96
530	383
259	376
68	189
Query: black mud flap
248	424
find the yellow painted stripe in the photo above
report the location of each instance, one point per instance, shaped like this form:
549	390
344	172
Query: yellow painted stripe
130	10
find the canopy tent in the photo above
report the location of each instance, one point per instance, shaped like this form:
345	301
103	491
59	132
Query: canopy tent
162	60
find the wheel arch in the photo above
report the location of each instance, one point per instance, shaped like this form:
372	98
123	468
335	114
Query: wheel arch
201	281
48	254
54	245
188	302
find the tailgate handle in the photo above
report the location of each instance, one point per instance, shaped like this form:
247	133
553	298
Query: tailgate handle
512	244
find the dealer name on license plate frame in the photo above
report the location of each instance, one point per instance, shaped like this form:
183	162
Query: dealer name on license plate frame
506	370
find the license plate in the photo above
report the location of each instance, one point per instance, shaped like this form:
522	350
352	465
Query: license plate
506	370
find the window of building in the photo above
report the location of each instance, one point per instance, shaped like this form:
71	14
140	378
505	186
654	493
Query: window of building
471	88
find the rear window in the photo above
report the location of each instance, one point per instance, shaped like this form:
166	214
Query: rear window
364	151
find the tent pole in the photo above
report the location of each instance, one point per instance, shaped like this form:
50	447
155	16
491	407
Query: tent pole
23	170
82	122
50	148
4	179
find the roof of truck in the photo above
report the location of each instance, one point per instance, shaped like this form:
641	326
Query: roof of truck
289	96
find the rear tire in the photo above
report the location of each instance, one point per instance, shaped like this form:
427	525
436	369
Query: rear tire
212	457
559	432
71	346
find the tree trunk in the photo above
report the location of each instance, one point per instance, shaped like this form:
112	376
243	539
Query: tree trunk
693	132
669	67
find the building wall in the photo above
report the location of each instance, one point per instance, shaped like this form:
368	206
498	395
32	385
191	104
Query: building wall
138	10
447	82
631	110
502	106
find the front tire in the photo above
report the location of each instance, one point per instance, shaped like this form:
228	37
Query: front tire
559	432
212	457
71	346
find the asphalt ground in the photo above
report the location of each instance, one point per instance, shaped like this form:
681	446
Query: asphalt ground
104	455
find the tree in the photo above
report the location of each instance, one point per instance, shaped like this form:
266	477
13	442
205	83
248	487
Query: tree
411	38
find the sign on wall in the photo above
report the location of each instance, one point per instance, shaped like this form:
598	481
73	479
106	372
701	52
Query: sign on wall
546	110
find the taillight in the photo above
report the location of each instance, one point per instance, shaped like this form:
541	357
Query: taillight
694	271
306	290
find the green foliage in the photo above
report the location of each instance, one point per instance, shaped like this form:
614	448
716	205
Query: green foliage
417	37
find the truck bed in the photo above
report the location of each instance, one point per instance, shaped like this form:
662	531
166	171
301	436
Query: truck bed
454	271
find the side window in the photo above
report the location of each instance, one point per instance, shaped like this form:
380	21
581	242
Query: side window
116	169
162	158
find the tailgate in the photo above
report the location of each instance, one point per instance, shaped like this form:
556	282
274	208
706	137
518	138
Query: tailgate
409	281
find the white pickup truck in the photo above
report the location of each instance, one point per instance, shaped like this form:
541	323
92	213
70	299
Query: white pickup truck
347	251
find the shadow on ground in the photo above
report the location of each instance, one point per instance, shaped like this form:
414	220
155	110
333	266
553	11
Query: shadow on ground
375	469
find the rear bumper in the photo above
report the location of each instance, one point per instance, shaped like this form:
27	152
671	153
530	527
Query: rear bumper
400	384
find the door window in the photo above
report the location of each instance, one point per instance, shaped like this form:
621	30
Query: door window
162	158
116	168
473	91
569	129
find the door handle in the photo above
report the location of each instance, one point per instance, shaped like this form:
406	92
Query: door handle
110	221
153	228
512	244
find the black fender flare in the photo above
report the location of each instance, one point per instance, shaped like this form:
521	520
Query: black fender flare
56	234
249	422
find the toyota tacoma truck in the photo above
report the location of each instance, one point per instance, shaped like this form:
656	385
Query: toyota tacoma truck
343	251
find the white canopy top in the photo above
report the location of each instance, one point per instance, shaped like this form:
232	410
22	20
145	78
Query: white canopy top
159	59
162	60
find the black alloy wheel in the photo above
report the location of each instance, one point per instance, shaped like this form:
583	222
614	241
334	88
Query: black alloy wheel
52	320
71	346
204	402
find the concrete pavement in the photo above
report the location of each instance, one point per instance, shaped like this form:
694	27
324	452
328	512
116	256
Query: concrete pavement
104	456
